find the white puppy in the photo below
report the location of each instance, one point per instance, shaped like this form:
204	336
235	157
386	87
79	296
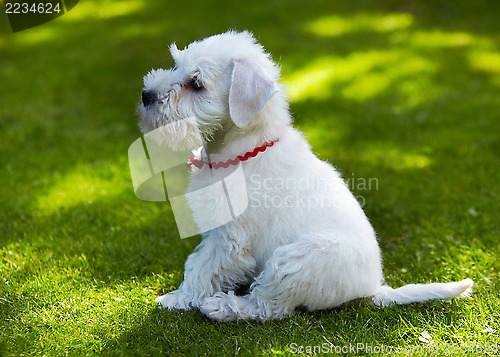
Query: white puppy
304	239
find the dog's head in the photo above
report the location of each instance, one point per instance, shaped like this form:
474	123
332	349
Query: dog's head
219	84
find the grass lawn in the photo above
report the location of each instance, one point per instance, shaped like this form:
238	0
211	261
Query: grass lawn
402	96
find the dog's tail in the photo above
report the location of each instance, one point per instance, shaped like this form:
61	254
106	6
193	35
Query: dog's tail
422	292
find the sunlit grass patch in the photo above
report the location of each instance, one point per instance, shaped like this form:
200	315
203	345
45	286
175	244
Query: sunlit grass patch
84	11
340	25
103	10
312	81
485	61
362	76
84	185
79	313
441	39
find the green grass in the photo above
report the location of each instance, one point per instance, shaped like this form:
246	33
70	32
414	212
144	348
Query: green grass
403	92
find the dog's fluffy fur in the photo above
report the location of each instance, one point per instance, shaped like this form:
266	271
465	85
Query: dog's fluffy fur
313	246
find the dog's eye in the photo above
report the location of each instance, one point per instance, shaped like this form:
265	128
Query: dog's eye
195	85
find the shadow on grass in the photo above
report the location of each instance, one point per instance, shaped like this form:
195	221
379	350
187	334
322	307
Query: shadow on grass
166	331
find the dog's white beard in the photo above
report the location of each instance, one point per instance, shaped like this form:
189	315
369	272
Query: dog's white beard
179	135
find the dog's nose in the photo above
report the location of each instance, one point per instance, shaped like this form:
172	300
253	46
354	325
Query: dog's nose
149	97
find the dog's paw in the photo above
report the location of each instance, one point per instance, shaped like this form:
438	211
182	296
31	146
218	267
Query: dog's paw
221	307
175	300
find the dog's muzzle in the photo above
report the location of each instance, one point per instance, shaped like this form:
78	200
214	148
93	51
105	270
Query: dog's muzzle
149	97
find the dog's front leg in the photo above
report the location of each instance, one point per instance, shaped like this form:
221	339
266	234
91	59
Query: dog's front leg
217	265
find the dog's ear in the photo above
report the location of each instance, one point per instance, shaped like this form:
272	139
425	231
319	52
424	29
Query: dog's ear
250	90
174	51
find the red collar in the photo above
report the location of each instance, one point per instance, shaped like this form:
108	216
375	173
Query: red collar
215	165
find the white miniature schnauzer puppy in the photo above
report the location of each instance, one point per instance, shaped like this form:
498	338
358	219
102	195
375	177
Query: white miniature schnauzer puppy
310	244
